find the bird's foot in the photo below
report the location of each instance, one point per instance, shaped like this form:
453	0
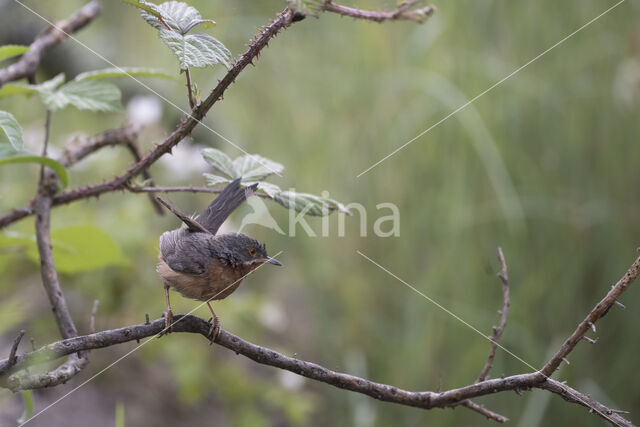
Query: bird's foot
168	322
214	331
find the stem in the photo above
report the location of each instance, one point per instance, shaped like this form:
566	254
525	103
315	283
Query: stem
192	103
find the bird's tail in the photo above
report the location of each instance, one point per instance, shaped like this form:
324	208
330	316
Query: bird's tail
219	210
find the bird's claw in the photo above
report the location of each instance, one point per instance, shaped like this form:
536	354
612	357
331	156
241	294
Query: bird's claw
168	322
214	331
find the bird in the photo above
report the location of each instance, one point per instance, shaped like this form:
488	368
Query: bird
200	264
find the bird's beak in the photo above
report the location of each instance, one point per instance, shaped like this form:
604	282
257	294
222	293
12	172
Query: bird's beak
273	261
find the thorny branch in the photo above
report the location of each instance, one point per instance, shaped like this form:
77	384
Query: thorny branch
497	330
121	182
27	65
405	11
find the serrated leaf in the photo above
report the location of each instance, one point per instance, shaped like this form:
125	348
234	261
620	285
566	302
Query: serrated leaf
252	167
81	248
268	188
144	6
177	15
49	85
9	155
93	95
213	180
11	50
220	162
196	50
44	87
109	73
16	89
310	204
10	126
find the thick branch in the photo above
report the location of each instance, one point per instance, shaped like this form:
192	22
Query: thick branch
27	65
404	12
60	375
80	148
498	330
47	266
266	356
598	311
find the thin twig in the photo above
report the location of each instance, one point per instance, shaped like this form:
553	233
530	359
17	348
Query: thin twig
27	65
92	321
192	103
403	12
14	347
498	330
267	356
484	411
189	189
45	145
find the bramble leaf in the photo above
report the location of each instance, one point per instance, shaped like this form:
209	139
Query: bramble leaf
93	95
9	155
81	248
109	73
220	162
197	50
308	203
252	167
10	126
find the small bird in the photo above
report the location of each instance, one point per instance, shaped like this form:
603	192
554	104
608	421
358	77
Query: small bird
199	264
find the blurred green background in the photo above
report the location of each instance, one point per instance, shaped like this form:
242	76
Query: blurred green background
544	165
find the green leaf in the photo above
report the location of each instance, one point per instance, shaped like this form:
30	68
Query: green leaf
252	167
179	16
11	50
16	89
268	188
196	50
119	418
109	73
213	180
93	95
145	6
80	248
9	155
12	129
49	85
44	87
308	203
220	162
28	406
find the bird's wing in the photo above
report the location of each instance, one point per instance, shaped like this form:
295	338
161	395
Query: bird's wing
219	210
186	252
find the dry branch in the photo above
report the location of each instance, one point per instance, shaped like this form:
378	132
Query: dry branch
598	311
405	11
498	330
27	65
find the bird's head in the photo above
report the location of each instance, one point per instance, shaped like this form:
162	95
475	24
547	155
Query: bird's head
249	251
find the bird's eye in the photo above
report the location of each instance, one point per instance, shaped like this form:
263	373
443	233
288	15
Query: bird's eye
252	251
